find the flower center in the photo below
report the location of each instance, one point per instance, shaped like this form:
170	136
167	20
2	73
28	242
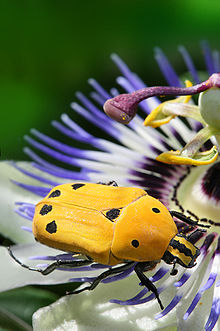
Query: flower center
198	194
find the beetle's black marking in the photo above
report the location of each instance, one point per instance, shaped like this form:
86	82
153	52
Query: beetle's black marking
51	227
111	183
77	185
112	214
54	194
45	209
156	210
181	247
135	243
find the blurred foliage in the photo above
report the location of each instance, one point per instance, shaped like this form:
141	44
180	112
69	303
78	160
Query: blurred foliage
20	304
49	49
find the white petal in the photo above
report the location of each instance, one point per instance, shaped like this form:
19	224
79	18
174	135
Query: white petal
10	222
90	311
10	193
13	275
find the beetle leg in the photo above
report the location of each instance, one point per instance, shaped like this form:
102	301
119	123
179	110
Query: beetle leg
187	220
52	266
139	268
102	276
174	271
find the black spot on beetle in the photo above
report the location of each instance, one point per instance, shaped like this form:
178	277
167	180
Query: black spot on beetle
45	209
156	210
77	185
112	214
135	243
51	227
54	194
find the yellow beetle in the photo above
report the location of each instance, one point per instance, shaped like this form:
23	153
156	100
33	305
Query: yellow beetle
111	225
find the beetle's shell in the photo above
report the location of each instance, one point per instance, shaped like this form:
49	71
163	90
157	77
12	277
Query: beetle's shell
152	230
75	221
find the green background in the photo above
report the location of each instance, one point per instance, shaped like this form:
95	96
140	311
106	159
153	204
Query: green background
50	48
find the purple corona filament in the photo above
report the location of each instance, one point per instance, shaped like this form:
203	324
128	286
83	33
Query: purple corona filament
123	107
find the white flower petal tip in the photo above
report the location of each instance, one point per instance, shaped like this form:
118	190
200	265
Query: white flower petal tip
200	158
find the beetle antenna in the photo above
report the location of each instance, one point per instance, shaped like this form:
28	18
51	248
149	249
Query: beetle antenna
187	219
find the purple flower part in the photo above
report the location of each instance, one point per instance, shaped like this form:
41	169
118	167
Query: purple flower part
39	160
208	57
182	280
68	256
25	210
99	266
101	91
132	82
57	145
171	305
29	210
92	108
72	131
30	174
74	126
114	92
96	120
51	152
41	191
127	73
71	134
96	97
138	301
25	204
196	236
22	214
159	274
69	269
214	315
189	63
166	68
208	242
82	279
26	228
216	60
198	296
120	276
211	183
63	173
178	137
134	299
123	107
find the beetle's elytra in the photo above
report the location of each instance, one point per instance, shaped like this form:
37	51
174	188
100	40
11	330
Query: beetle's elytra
111	225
